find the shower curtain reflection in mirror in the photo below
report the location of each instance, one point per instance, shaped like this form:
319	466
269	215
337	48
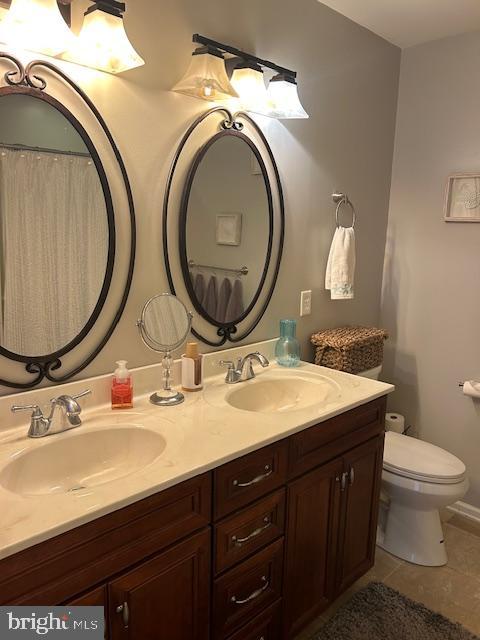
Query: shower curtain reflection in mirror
53	248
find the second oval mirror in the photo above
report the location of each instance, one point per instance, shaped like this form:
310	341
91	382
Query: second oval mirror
226	228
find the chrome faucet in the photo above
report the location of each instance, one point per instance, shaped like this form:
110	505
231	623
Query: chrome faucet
244	369
69	418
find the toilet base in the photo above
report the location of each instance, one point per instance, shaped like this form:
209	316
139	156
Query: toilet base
413	535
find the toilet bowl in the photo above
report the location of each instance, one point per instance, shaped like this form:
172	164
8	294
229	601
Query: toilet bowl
418	480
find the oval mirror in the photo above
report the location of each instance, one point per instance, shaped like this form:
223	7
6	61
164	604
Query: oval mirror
226	227
56	228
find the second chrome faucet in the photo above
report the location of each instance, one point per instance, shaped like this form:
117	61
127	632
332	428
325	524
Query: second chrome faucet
244	369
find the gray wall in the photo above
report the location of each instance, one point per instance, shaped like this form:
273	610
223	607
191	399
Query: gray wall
348	80
431	301
34	123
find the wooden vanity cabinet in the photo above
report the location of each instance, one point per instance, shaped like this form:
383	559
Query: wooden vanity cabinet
255	549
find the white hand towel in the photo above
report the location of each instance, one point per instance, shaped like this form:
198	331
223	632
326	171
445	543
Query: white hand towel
341	264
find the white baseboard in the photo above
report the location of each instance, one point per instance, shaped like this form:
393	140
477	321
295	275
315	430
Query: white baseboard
466	510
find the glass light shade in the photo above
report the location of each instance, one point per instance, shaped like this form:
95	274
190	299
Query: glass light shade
250	86
36	25
284	101
206	78
103	44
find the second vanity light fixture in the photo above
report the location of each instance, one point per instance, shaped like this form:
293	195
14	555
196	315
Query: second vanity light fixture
207	78
37	25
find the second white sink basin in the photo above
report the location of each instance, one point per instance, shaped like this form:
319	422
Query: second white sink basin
82	460
274	394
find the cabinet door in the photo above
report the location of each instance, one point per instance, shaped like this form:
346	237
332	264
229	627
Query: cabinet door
166	597
95	598
312	530
358	529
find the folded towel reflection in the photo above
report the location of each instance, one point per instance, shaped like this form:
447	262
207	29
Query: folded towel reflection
223	299
235	307
198	286
210	300
339	277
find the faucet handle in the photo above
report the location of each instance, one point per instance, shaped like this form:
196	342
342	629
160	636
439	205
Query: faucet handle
15	408
87	392
231	371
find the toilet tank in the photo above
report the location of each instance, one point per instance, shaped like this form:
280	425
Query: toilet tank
373	374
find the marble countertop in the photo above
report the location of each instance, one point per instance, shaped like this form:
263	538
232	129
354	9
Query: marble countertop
202	433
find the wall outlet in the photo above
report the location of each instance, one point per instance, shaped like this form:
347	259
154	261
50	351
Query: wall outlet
306	303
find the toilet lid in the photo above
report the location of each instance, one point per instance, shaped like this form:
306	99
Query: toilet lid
420	460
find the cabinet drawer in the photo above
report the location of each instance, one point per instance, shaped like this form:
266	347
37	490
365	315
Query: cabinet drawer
240	535
250	477
62	567
265	626
246	590
327	440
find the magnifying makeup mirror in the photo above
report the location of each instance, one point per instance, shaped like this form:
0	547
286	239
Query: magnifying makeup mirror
164	326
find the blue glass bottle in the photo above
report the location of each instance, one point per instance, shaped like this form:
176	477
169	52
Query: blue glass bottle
287	349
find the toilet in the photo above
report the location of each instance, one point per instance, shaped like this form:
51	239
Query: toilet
418	480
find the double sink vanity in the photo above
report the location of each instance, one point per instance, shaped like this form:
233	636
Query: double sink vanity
239	514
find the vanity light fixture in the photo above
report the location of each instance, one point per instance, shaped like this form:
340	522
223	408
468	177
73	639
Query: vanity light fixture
103	43
283	98
247	81
36	25
206	76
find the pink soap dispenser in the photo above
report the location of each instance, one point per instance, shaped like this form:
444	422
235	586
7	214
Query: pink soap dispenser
122	388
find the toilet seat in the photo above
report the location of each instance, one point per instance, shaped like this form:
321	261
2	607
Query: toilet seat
422	461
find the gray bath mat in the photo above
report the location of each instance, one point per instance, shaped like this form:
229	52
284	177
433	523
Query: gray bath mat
380	613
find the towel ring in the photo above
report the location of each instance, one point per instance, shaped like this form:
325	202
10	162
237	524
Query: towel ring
342	198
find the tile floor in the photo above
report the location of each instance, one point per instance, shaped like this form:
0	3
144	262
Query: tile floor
453	590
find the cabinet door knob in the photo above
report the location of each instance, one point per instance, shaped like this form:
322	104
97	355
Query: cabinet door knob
342	480
256	480
123	609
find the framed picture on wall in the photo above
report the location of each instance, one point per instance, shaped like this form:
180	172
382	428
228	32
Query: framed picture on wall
462	201
229	229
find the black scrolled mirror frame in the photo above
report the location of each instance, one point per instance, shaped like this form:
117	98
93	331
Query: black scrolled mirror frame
23	80
231	125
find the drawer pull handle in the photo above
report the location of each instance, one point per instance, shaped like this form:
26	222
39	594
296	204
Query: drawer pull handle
123	609
351	477
253	595
256	480
239	541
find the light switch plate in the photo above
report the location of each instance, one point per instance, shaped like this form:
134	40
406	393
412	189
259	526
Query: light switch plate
306	303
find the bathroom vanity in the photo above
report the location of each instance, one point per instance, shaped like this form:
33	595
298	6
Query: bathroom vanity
253	548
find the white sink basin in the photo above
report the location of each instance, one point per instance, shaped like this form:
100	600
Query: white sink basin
270	394
82	460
